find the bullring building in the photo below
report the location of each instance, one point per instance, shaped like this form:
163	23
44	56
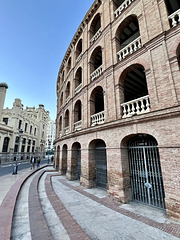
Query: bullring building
118	103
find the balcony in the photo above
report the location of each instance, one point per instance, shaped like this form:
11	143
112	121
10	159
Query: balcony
66	130
129	49
96	73
122	7
79	58
78	88
96	36
78	125
135	107
97	118
175	18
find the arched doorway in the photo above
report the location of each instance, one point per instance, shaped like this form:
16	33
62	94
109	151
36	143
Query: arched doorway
145	171
64	160
76	161
98	163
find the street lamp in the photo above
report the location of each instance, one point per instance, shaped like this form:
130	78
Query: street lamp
17	154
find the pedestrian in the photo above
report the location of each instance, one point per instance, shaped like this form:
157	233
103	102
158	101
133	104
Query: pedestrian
52	158
38	162
33	162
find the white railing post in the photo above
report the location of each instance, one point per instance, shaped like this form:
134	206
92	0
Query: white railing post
175	18
129	49
135	107
66	130
79	58
97	118
123	6
68	99
78	88
96	73
78	125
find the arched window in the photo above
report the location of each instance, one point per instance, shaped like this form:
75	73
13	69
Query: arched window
61	99
68	90
77	115
136	98
69	65
95	28
96	63
5	144
78	80
97	106
66	122
79	50
127	37
178	55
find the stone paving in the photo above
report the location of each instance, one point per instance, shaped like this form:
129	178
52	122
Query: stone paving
51	207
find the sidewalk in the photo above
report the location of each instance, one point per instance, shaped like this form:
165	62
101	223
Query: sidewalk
51	207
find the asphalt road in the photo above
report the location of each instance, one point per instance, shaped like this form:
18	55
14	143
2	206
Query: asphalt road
8	169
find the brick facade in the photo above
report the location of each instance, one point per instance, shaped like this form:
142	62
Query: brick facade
120	73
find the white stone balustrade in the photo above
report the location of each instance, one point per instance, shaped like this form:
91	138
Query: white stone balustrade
123	6
79	58
66	130
97	118
78	125
137	106
96	73
129	49
96	35
175	18
60	134
78	88
68	99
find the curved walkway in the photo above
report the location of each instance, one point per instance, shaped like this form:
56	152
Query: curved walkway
47	206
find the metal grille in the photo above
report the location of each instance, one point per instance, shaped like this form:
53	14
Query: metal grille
79	162
145	172
101	167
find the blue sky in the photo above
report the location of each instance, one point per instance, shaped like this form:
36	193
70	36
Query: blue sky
34	36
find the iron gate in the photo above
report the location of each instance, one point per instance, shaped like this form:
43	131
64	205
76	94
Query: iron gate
79	163
145	172
101	167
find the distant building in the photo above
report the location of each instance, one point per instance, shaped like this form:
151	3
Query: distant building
32	121
50	136
118	103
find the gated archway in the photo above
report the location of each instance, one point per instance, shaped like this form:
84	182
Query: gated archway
145	171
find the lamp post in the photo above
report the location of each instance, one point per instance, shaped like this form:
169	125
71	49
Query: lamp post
17	154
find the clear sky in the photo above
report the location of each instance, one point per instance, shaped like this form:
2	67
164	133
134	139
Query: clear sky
34	36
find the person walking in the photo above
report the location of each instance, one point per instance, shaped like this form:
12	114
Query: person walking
33	162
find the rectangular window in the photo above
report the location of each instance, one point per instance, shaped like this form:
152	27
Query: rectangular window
22	148
5	120
25	129
28	149
20	122
15	148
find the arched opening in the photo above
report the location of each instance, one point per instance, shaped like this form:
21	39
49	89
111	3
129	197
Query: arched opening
178	54
95	28
61	99
128	37
64	159
78	78
68	90
5	144
60	126
98	164
145	171
66	122
136	98
77	116
76	161
79	49
97	106
96	63
69	65
62	78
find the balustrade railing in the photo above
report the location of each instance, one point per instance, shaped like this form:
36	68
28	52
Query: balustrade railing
97	118
66	130
78	88
68	99
60	134
96	73
129	49
78	125
175	18
123	6
96	35
137	106
79	58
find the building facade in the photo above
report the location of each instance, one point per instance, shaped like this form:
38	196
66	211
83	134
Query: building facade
118	102
33	123
50	136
